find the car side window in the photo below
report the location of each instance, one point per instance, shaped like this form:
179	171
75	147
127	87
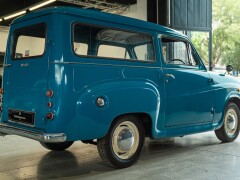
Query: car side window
109	43
178	52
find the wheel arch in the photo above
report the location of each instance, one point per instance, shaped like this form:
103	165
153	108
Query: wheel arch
232	98
139	98
144	118
229	129
235	100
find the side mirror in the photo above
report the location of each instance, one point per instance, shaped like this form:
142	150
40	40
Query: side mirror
229	68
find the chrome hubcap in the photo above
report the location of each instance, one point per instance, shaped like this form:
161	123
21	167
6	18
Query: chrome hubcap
231	122
125	140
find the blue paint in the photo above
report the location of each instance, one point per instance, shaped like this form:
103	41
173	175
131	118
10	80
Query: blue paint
188	104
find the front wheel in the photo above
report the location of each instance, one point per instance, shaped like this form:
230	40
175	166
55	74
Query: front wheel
122	146
57	146
230	128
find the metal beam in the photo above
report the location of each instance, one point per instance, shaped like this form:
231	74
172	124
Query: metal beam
99	4
210	51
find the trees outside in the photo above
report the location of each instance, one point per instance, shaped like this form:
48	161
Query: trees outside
226	34
200	41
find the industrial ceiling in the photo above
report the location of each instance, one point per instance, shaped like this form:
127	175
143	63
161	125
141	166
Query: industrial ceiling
11	7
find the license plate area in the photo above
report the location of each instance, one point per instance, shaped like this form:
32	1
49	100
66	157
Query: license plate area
22	117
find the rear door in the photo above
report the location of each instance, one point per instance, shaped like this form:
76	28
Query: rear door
26	71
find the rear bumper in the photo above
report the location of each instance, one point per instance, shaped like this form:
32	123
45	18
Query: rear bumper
42	137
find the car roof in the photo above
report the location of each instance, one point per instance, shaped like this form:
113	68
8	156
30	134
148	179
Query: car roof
95	14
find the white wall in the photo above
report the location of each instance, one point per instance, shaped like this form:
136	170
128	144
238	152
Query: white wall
138	11
3	38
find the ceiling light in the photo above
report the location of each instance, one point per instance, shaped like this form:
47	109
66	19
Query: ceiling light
42	4
0	20
14	15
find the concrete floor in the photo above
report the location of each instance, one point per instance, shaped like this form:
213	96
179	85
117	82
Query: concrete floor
199	156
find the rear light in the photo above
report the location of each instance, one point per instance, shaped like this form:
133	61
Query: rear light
50	116
1	91
1	103
49	93
50	104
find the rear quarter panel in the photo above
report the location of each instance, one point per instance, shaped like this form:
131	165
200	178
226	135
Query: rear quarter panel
125	90
126	86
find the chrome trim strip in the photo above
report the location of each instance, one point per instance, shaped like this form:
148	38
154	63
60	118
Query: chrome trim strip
99	64
42	137
183	68
7	65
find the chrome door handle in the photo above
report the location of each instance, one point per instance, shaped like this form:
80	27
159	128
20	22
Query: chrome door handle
24	65
169	78
170	75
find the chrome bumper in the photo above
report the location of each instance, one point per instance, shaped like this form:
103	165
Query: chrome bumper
42	137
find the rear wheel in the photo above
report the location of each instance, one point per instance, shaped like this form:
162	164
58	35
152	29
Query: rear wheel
122	146
230	128
57	146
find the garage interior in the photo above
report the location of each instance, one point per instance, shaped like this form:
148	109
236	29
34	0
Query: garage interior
200	156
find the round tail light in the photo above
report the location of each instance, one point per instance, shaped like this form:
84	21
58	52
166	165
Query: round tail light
49	93
50	116
50	104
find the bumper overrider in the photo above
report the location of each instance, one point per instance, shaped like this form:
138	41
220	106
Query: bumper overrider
42	137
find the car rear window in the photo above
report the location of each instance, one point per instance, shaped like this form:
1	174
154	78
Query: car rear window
29	42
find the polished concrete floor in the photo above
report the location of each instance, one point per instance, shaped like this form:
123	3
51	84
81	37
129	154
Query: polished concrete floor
199	156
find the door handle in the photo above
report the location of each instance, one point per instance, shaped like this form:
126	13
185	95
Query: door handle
24	65
170	75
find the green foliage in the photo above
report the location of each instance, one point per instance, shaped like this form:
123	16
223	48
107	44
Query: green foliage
200	41
226	34
233	56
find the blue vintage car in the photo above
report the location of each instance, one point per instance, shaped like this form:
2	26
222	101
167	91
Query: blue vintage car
72	74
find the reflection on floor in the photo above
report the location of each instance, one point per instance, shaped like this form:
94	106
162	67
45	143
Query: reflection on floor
199	156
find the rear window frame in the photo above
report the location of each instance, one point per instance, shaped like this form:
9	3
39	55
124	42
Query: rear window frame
114	28
14	42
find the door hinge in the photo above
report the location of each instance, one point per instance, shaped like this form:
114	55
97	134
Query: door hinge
50	42
212	111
